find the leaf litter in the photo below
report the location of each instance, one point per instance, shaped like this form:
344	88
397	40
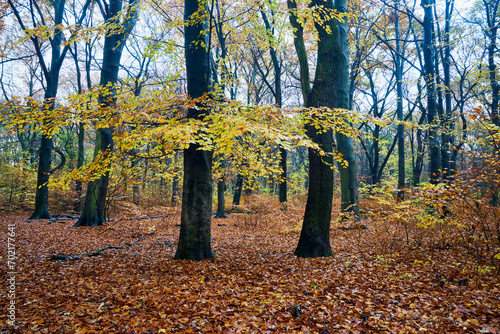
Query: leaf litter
254	285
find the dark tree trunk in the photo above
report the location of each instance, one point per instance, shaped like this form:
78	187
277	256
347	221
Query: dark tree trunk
221	200
175	191
447	121
94	207
432	116
376	155
348	174
51	75
194	237
491	8
399	112
315	234
42	189
279	102
283	175
94	210
237	189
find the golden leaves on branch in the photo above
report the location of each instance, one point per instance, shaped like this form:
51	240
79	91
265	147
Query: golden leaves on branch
155	126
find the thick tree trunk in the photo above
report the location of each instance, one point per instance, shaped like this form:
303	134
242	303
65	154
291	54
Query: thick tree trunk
315	234
194	237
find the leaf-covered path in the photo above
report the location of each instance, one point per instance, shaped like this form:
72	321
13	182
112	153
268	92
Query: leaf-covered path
254	285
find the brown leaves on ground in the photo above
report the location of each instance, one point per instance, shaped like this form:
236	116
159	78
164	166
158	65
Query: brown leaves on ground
254	285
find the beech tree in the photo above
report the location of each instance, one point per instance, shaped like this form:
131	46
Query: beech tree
196	211
429	52
94	212
46	15
329	89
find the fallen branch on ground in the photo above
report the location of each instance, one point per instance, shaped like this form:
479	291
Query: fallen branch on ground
99	251
54	219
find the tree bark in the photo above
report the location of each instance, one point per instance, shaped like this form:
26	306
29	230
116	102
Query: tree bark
282	185
348	174
196	212
221	200
283	176
432	116
315	234
94	210
237	189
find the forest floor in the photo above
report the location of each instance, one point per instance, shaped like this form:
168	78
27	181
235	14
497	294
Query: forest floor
254	285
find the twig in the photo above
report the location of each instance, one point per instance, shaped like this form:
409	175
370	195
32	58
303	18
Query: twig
99	251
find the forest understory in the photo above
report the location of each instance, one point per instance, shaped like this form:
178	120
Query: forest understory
384	277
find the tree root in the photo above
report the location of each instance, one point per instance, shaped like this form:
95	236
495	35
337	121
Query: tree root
97	252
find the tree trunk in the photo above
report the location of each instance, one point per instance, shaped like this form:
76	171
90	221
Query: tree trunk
196	212
283	176
79	163
237	189
432	117
94	210
399	111
315	234
279	102
348	174
175	183
221	200
42	189
491	16
94	207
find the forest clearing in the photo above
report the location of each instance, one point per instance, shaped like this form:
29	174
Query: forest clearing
374	282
